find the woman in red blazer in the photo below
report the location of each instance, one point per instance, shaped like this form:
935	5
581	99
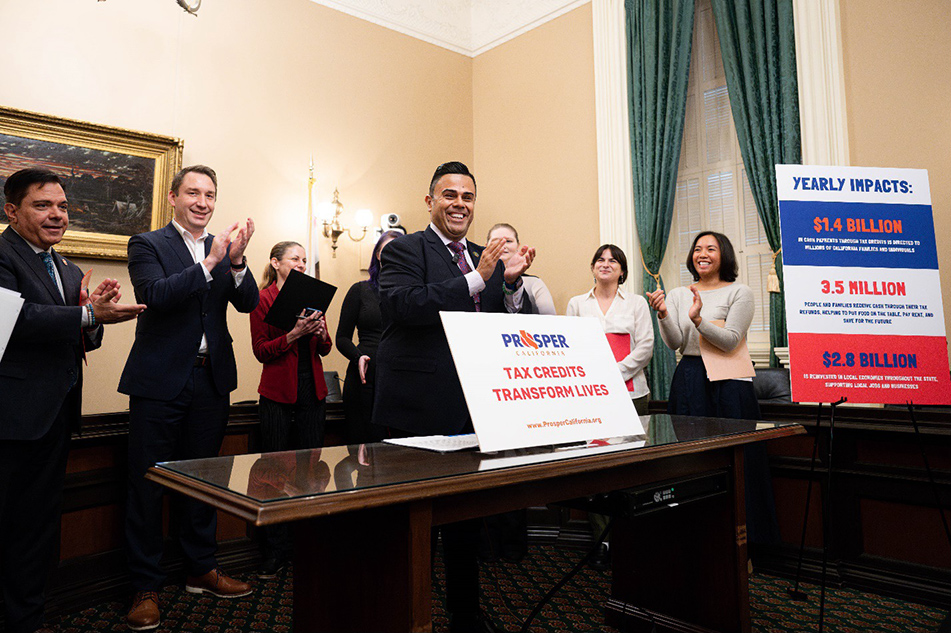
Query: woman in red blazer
292	386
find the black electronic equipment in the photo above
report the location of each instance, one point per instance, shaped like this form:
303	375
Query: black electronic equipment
640	500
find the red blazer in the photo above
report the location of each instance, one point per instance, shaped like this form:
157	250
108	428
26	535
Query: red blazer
279	376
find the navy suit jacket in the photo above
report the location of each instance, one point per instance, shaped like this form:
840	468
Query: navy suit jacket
417	388
181	305
44	355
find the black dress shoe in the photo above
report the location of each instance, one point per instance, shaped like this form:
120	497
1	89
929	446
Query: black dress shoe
271	567
601	559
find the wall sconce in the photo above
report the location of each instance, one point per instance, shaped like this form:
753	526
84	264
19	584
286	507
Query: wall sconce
191	8
329	214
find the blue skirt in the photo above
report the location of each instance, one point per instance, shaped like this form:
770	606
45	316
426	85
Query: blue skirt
692	394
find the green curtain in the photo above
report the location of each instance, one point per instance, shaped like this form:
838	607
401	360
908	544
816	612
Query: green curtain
659	37
758	45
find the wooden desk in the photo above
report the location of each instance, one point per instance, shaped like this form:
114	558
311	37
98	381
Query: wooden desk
362	530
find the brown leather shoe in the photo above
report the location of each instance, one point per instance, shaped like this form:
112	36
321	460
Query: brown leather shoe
144	614
217	584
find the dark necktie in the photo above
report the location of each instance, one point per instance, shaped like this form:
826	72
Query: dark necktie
48	262
459	257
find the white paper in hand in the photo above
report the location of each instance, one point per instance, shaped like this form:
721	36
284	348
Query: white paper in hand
10	304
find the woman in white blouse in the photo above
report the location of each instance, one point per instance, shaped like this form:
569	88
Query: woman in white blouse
625	318
535	287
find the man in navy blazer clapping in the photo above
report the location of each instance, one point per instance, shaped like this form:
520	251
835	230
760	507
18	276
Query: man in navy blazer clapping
418	391
41	383
179	375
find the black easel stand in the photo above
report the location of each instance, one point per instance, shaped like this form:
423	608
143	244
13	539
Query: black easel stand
827	515
571	574
946	625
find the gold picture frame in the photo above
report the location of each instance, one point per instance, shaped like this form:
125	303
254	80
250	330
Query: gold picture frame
116	180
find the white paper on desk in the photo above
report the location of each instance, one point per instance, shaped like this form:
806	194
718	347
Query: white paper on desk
491	463
10	305
438	443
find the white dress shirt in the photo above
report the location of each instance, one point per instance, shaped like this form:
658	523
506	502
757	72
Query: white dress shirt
196	246
627	315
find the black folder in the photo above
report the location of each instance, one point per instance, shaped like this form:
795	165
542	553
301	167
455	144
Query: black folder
299	292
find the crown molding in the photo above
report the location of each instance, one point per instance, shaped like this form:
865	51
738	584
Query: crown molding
468	27
495	22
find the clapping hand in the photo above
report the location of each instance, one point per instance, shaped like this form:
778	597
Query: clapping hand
518	263
223	244
236	252
219	246
86	297
657	301
695	307
490	257
105	303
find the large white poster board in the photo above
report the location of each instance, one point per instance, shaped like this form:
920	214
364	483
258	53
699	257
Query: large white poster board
534	380
863	295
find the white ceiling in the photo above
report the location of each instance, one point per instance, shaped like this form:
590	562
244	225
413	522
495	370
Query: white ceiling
470	27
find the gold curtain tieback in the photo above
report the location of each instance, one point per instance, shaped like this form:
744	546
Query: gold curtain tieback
656	276
772	280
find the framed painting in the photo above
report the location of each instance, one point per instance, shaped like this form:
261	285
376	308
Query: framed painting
116	180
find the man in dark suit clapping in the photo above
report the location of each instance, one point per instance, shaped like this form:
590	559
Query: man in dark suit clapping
418	391
41	384
179	375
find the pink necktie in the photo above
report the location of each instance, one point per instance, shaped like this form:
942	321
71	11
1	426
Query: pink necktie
460	258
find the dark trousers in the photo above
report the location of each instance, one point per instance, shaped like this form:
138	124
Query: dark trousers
358	406
284	427
31	496
190	426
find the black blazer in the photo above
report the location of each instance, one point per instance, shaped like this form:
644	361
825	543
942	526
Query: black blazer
44	354
417	389
181	306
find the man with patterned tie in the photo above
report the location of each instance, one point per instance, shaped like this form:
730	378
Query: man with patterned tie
40	384
418	391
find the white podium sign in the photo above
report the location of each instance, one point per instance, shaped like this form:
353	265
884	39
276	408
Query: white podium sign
534	380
